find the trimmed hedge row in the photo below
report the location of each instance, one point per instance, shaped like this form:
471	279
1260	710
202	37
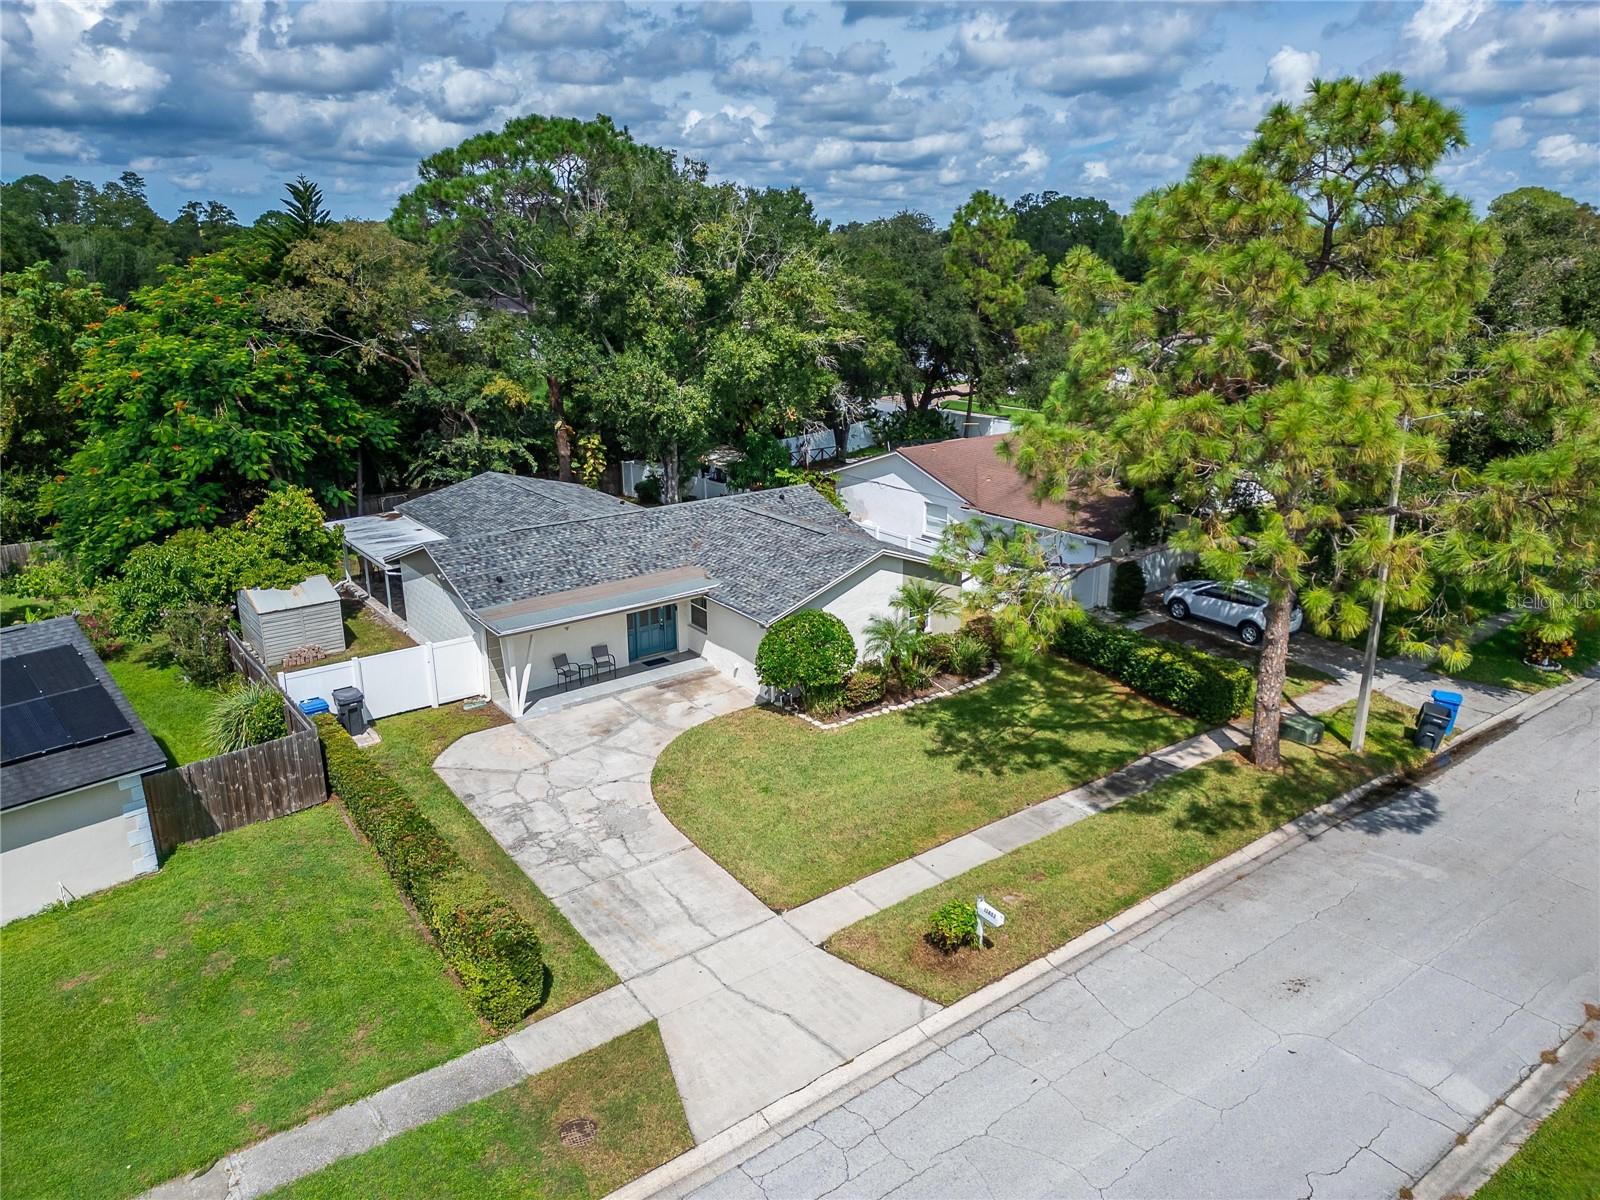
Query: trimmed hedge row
491	947
1211	689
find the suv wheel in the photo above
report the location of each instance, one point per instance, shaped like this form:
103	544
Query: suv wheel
1250	633
1178	610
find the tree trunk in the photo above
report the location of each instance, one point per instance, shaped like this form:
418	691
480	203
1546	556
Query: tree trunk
841	432
925	401
669	474
563	431
1271	670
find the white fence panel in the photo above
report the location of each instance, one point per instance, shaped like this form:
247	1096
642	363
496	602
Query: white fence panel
1161	568
423	676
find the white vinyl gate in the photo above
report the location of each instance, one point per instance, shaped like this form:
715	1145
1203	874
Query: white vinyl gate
424	676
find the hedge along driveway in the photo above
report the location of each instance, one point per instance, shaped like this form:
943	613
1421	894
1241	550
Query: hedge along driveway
794	812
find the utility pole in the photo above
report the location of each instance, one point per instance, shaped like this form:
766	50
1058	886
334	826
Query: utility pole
1369	661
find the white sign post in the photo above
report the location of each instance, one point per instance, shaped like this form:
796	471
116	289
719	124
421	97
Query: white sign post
987	912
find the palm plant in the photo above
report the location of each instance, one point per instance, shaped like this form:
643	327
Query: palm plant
922	600
898	641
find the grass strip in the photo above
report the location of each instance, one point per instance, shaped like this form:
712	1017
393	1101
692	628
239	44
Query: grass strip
1067	882
1561	1161
511	1145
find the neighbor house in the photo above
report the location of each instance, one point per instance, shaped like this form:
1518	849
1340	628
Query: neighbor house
72	756
908	497
534	568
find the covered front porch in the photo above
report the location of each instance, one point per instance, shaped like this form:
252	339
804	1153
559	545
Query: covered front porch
588	641
658	669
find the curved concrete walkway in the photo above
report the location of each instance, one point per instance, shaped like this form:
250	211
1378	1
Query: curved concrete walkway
749	1009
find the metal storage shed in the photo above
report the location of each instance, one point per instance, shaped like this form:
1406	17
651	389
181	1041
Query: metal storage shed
276	621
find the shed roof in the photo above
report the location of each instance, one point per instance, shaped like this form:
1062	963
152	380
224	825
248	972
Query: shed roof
74	767
305	594
973	470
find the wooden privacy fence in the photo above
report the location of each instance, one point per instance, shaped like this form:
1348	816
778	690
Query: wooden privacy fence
230	791
16	555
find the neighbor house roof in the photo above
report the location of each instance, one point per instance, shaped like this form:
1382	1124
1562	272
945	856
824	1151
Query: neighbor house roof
973	470
74	767
762	553
493	501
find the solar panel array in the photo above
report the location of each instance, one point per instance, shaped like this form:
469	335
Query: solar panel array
50	700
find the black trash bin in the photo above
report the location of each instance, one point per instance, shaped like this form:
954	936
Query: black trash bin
1432	721
348	701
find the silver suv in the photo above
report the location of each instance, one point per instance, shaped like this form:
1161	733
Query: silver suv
1240	606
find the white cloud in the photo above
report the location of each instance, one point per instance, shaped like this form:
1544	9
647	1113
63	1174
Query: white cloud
1509	133
1290	70
1563	152
1095	170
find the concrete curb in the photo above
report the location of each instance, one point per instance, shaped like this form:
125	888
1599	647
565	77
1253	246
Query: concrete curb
698	1166
1511	1120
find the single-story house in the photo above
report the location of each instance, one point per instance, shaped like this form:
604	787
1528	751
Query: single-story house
535	568
909	496
72	756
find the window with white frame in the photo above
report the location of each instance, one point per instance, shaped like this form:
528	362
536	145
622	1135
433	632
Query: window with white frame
936	518
697	613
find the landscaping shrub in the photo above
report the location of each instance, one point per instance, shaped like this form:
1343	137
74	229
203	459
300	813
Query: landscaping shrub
198	637
1538	646
981	626
493	950
938	651
46	578
1127	587
98	628
825	703
648	490
864	688
1211	689
911	425
808	650
969	656
246	716
953	925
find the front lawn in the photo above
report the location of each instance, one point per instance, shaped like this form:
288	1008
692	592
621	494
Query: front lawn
509	1145
258	978
794	812
1561	1161
173	709
1497	660
1067	882
411	741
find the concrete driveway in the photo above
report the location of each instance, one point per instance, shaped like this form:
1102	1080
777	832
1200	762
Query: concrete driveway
1325	1026
749	1009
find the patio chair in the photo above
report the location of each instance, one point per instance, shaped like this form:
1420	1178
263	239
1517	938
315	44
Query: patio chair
603	659
569	672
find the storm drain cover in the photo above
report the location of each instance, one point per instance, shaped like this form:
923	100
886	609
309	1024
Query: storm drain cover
579	1131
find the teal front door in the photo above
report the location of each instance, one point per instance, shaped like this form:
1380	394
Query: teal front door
652	631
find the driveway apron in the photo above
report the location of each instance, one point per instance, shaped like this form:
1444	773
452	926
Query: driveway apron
749	1009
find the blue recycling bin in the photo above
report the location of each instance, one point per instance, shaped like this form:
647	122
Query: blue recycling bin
313	706
1452	701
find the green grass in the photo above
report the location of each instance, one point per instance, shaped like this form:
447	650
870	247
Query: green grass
366	633
1067	882
411	741
1497	660
794	812
258	978
173	709
14	610
508	1145
1561	1161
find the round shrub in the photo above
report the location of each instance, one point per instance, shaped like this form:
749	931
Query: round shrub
864	688
981	626
1127	587
808	650
953	925
247	716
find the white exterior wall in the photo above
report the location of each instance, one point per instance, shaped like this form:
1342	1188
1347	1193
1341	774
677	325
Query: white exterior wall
859	597
432	611
729	643
84	840
890	496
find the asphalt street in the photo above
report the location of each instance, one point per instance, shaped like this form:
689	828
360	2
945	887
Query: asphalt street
1325	1026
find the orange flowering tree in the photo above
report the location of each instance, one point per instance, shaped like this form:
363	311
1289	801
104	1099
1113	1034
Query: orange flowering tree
192	407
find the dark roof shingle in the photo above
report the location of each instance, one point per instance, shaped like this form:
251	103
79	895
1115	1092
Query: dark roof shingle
492	501
75	767
973	470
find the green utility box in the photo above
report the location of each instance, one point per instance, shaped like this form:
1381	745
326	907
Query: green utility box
1305	730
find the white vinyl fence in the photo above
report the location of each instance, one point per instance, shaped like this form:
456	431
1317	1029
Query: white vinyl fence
424	676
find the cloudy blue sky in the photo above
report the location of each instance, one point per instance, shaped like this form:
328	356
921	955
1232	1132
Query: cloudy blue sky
869	107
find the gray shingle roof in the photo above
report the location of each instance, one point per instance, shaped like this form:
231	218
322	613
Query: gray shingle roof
768	551
79	766
492	501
